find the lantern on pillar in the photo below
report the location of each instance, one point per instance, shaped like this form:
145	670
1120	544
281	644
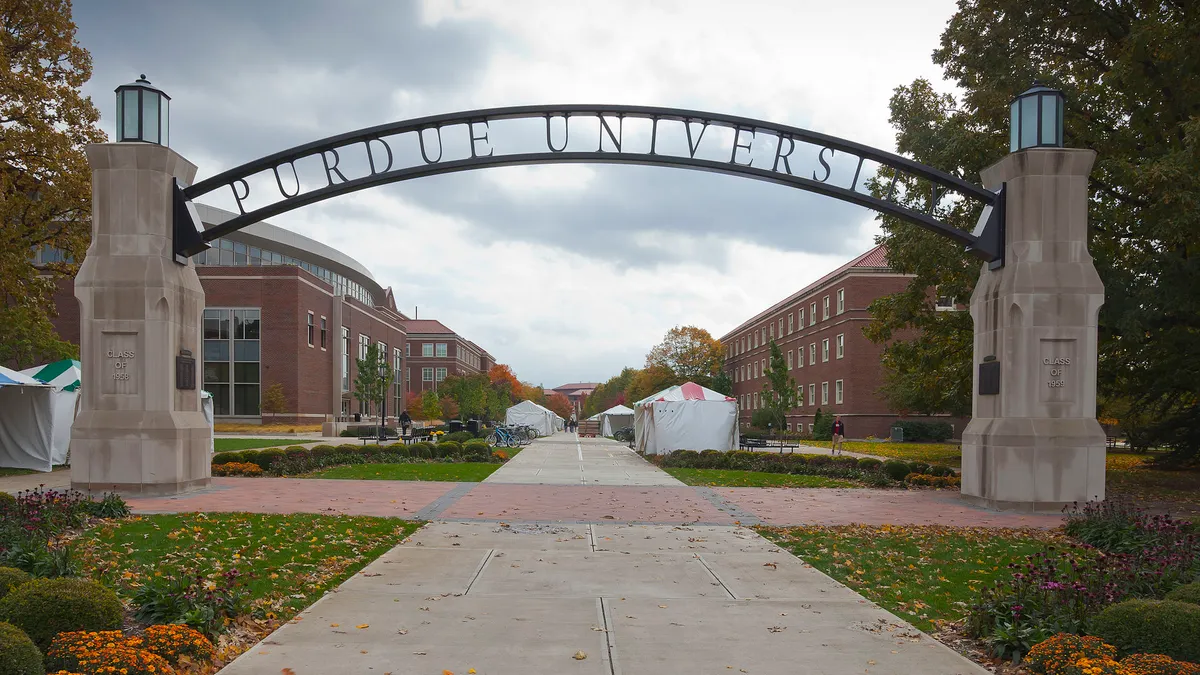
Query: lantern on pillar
142	113
1036	119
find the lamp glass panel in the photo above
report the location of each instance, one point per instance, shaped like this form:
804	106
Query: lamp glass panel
150	116
1029	121
1049	120
120	115
166	115
131	115
1014	128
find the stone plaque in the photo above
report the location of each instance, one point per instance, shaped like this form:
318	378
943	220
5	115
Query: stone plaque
119	374
1058	367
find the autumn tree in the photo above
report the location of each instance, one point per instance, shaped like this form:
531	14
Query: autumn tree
650	380
469	392
689	352
609	393
45	182
779	392
560	405
431	408
274	400
1129	74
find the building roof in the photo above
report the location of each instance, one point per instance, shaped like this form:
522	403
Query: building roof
575	387
427	326
874	259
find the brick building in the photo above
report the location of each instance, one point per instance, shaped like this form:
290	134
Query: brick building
577	393
283	309
819	329
435	352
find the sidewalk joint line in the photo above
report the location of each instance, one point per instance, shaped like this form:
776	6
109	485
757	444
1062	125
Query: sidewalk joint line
608	637
486	560
714	575
739	514
445	501
591	536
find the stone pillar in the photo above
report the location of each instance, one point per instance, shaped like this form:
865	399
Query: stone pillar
1036	445
136	433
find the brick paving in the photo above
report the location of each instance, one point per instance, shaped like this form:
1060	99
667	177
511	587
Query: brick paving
400	499
587	503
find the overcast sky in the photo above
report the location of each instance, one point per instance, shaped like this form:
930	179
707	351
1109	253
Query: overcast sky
568	273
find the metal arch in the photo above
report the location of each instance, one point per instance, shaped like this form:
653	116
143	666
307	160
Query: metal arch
986	242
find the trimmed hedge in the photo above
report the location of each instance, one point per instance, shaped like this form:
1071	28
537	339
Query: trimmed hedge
18	654
896	470
297	460
771	462
932	481
940	470
1187	593
1167	627
936	432
10	578
44	608
870	464
459	437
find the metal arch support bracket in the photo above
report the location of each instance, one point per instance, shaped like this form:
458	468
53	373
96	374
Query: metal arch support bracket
989	232
187	231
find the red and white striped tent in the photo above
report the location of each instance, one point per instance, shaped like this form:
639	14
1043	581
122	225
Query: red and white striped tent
685	417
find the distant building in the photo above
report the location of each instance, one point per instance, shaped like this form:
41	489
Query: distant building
435	352
577	392
820	332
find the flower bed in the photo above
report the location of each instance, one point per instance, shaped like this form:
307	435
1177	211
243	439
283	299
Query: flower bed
298	460
866	470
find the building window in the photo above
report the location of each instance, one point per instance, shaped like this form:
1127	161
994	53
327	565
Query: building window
441	374
407	350
441	349
763	335
825	308
756	400
427	349
345	359
324	331
800	395
812	353
398	379
841	300
945	303
311	328
781	326
837	391
427	374
763	370
825	350
791	323
755	370
789	426
800	322
772	331
232	360
824	393
841	345
364	343
812	313
789	359
812	397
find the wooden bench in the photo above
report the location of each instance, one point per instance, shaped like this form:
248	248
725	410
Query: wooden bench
386	436
763	443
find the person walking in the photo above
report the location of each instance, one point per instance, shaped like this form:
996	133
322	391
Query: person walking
405	422
839	435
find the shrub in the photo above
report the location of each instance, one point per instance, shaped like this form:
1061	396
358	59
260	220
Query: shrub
1185	593
421	450
895	469
870	464
268	456
936	432
1058	654
7	502
111	505
297	452
459	436
319	451
447	449
44	608
1151	626
227	458
10	578
919	467
1117	526
173	641
818	460
940	470
1156	664
348	447
18	654
927	480
847	462
180	596
476	443
237	469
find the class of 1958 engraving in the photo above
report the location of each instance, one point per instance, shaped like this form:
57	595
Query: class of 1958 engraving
1057	364
120	354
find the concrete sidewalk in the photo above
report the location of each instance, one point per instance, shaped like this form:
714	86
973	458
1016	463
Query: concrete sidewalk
567	459
594	599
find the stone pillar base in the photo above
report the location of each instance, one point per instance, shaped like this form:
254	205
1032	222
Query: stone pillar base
1033	465
139	453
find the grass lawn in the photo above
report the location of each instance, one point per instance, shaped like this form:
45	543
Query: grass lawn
1126	476
230	428
949	454
228	444
921	573
467	472
4	471
732	478
293	559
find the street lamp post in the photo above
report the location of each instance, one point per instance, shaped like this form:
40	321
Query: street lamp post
383	373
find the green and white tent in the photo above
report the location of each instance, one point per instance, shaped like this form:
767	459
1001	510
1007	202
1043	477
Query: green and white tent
62	375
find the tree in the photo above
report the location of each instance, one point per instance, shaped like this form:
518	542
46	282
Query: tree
370	387
651	379
469	393
722	383
274	401
560	405
1127	71
45	181
689	352
430	408
779	391
609	393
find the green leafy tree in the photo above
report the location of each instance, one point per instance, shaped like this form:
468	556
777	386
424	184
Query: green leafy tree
431	408
370	386
691	353
274	400
609	393
722	382
469	393
1129	74
779	391
45	181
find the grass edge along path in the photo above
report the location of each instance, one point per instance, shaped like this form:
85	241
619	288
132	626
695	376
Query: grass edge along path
227	444
925	574
737	478
457	472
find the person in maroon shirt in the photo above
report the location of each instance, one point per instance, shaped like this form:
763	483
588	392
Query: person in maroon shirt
839	435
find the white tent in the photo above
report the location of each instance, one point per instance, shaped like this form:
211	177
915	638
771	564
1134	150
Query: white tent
64	377
206	407
27	423
616	417
529	413
685	417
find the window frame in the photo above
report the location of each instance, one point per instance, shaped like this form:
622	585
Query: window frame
838	392
312	328
841	345
841	301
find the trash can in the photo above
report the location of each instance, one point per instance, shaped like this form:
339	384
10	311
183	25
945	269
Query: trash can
455	426
898	434
473	427
357	417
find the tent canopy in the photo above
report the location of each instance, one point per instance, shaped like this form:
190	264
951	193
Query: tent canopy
62	375
616	417
618	410
11	377
685	417
27	422
529	413
688	391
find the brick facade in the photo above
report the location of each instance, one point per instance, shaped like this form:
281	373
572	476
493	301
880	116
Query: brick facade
462	357
790	323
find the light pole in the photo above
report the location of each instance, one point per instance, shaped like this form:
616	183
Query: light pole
383	373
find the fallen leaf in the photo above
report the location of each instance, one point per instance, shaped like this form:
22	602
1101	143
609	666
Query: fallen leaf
470	671
363	625
662	606
287	671
420	653
402	632
579	656
334	625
